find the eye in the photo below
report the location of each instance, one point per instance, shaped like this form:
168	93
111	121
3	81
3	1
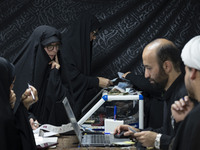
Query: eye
50	47
147	68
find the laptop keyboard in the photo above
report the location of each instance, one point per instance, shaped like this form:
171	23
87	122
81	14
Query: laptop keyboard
96	138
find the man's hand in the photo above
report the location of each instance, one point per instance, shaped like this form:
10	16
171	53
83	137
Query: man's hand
121	128
55	64
181	108
146	138
27	98
12	98
104	82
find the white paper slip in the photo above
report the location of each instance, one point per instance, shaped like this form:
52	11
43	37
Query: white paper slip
54	129
113	80
111	124
45	142
120	74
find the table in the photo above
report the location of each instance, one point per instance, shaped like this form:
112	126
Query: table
71	143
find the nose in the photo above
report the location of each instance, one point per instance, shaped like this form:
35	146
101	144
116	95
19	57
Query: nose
55	48
147	75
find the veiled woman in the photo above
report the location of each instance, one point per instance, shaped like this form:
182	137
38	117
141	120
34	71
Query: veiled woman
77	52
15	130
39	63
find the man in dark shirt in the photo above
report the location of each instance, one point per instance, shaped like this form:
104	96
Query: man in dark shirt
153	103
188	134
162	63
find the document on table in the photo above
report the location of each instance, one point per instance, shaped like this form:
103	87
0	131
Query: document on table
43	133
44	142
53	130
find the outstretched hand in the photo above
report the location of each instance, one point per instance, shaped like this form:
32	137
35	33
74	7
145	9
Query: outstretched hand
104	82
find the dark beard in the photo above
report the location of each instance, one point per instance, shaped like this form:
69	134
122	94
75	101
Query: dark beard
162	83
161	80
160	86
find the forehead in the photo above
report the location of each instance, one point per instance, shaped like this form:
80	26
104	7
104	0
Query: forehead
53	43
149	57
186	69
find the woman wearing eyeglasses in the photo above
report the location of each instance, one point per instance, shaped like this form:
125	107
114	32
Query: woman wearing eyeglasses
39	63
77	52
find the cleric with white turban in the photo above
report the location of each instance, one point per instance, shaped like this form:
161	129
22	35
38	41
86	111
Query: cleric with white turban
191	53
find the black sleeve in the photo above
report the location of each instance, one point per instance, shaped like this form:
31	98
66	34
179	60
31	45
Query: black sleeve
24	128
159	130
139	82
56	92
93	82
84	80
165	141
31	115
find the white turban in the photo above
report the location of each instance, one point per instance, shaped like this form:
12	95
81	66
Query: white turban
191	53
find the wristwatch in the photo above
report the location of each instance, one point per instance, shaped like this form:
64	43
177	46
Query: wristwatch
157	141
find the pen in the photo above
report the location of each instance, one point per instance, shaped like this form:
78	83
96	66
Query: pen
31	91
132	130
115	112
106	132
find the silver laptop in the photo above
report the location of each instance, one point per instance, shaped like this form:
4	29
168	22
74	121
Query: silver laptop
90	139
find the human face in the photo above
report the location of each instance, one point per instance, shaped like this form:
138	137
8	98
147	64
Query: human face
12	84
52	49
153	71
188	83
93	35
12	95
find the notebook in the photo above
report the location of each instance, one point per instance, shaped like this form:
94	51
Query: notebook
97	140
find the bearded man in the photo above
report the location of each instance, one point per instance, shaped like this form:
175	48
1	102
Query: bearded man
162	62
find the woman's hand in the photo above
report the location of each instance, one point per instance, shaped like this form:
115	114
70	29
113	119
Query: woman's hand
104	82
12	98
27	98
34	124
55	64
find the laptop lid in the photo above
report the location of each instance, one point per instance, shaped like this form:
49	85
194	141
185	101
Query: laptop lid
78	132
72	119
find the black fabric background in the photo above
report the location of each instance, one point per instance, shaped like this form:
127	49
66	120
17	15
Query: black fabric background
128	25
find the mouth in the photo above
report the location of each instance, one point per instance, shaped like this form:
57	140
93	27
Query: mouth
51	56
151	81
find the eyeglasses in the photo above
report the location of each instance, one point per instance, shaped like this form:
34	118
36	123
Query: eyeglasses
51	47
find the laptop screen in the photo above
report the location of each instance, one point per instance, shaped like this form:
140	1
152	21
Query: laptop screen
72	119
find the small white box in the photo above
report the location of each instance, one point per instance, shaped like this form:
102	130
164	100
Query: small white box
111	124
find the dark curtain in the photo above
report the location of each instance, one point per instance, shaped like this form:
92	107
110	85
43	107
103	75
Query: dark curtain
128	25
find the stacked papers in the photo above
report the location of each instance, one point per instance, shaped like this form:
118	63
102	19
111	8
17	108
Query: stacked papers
44	142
